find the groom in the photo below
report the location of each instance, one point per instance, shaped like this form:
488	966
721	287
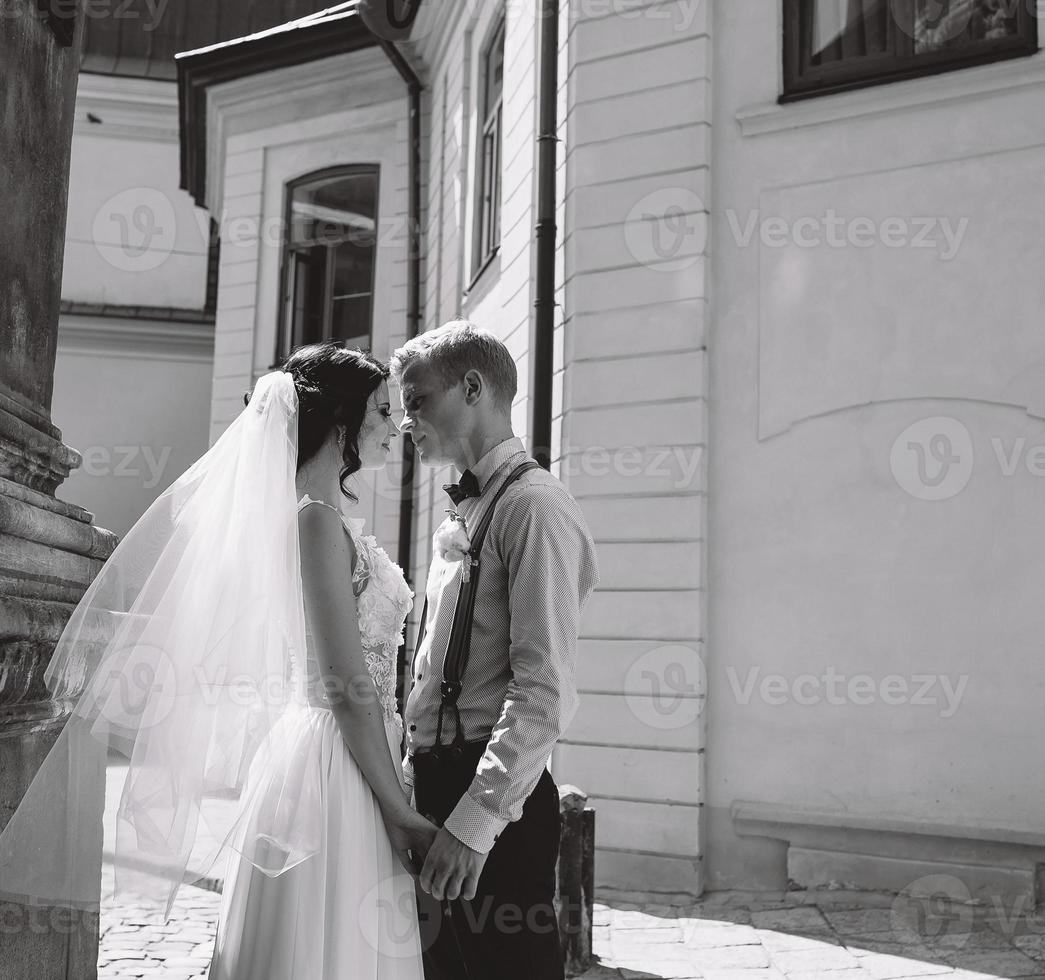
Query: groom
492	865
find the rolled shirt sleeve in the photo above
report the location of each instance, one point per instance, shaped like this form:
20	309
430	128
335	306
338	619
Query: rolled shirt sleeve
552	571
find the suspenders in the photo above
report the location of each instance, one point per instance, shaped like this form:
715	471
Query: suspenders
457	648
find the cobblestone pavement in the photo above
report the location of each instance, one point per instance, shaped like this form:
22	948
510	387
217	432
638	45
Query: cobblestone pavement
134	945
728	936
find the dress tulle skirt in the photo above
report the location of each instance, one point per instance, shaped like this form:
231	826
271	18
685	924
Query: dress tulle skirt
347	912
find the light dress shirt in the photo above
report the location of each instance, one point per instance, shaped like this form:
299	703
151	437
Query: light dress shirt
538	571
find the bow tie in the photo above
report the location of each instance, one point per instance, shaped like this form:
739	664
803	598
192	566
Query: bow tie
468	487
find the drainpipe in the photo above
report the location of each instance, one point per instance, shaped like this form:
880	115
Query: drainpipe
413	285
413	312
544	302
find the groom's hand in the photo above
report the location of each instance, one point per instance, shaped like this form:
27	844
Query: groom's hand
452	869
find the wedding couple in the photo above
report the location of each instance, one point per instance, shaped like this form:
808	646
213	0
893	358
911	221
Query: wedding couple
478	819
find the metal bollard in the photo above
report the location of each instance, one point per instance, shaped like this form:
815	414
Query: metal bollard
575	879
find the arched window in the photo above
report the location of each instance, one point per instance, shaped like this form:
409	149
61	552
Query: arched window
329	258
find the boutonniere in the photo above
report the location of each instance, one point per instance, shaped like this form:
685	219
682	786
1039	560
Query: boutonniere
453	544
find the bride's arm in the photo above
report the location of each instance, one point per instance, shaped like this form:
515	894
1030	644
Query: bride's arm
326	569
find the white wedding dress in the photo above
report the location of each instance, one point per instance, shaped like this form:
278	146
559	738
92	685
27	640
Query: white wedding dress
347	912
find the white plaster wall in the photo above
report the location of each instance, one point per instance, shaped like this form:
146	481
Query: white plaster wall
637	130
828	551
131	395
133	238
138	415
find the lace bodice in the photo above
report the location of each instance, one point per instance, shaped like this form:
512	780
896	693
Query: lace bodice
383	601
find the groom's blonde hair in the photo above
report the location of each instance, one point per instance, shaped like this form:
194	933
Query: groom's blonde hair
456	348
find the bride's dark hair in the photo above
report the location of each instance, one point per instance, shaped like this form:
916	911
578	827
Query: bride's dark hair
334	384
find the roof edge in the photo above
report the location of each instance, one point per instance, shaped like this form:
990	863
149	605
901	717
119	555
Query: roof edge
336	30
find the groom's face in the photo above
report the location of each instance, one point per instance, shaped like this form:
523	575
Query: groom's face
435	416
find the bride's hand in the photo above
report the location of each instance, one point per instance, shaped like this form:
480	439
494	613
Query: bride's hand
411	836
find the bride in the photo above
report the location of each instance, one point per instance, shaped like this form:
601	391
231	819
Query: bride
238	649
328	917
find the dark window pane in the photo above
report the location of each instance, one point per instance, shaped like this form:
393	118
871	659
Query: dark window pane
309	295
333	209
331	255
487	235
843	29
494	70
352	320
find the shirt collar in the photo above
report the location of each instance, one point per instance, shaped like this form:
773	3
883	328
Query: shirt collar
495	458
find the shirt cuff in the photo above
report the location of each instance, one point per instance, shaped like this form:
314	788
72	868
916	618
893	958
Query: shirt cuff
475	826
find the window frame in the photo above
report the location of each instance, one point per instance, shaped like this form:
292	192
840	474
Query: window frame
285	339
486	237
801	80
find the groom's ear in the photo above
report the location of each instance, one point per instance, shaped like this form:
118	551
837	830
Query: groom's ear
473	386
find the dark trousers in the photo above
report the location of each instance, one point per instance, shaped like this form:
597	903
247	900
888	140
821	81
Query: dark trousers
508	931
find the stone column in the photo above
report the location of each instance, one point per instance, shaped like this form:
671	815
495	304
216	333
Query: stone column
49	550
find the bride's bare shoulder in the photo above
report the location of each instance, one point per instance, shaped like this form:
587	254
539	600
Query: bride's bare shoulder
324	540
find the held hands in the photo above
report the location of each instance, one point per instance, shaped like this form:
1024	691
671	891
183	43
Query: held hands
452	869
411	836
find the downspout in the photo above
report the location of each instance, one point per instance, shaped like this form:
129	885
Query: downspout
544	301
413	309
413	287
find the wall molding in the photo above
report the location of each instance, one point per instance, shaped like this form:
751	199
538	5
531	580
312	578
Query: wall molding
129	108
133	335
882	852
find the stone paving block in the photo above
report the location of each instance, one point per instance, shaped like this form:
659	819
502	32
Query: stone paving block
733	974
645	937
997	963
698	936
783	941
854	974
1032	945
640	920
982	939
663	970
884	967
733	958
803	920
860	920
810	960
882	945
716	917
600	972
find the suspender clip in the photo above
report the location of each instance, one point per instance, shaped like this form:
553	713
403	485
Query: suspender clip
451	691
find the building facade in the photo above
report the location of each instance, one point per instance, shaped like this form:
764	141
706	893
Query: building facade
795	386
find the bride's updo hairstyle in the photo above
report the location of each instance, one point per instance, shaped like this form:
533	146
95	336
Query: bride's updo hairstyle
334	384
